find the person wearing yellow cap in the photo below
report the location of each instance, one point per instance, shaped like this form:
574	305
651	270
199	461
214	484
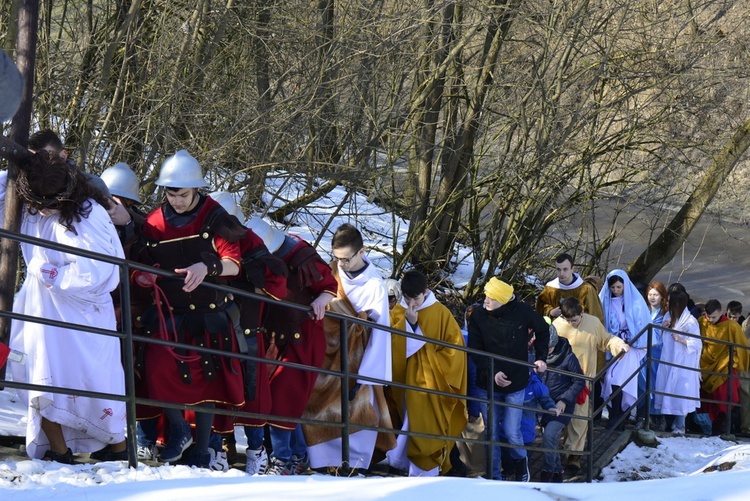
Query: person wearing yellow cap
503	327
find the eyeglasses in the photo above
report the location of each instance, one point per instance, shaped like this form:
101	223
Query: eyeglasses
345	260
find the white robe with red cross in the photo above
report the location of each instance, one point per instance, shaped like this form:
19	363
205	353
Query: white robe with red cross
69	288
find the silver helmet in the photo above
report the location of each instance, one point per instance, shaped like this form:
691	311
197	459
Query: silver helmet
394	288
181	170
226	200
272	237
121	181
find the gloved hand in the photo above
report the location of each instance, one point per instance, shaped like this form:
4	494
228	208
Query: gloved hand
144	279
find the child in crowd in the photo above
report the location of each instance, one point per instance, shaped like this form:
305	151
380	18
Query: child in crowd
536	395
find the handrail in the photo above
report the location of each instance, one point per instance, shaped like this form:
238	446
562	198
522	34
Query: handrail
126	335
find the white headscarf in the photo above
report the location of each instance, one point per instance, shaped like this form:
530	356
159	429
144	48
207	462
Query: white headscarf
637	314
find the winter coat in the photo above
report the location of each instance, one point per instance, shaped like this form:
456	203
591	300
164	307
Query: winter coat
535	395
506	331
562	386
473	407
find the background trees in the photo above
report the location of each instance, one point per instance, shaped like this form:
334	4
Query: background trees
519	128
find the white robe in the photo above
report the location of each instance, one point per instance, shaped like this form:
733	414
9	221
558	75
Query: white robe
673	379
80	294
367	292
621	370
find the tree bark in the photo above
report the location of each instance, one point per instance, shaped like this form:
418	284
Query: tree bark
28	20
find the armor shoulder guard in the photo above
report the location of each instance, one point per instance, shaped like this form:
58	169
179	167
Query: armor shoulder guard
220	222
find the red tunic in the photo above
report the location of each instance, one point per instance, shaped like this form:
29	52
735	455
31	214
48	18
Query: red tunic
260	269
185	376
299	339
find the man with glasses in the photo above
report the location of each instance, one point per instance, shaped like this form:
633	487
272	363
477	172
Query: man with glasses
569	284
361	286
587	337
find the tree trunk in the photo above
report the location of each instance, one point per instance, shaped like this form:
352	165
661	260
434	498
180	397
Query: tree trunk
666	245
28	19
451	196
428	93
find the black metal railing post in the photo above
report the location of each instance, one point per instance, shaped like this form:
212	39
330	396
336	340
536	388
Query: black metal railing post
491	421
730	393
589	434
129	361
344	344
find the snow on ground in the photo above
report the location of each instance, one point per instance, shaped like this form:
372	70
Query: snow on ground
682	457
34	480
674	467
12	414
674	457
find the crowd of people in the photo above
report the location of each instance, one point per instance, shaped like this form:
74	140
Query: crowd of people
235	351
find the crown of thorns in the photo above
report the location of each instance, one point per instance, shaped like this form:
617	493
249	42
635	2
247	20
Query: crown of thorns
52	201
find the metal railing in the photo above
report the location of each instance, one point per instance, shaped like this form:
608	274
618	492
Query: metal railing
128	338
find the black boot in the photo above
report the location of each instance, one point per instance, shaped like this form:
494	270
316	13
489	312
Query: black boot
521	469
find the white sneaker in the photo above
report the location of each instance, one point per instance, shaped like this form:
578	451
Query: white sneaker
218	460
279	467
257	461
147	452
678	431
299	464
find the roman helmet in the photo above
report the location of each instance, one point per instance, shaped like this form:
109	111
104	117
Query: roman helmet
272	237
181	170
226	200
121	181
394	289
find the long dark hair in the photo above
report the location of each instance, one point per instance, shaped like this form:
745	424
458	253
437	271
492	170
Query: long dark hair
678	301
47	181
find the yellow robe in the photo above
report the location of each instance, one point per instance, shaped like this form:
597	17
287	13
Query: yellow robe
434	367
550	297
715	356
589	341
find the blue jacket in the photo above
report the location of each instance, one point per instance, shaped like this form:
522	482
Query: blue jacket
536	395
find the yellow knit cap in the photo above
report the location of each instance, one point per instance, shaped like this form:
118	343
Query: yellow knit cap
498	290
